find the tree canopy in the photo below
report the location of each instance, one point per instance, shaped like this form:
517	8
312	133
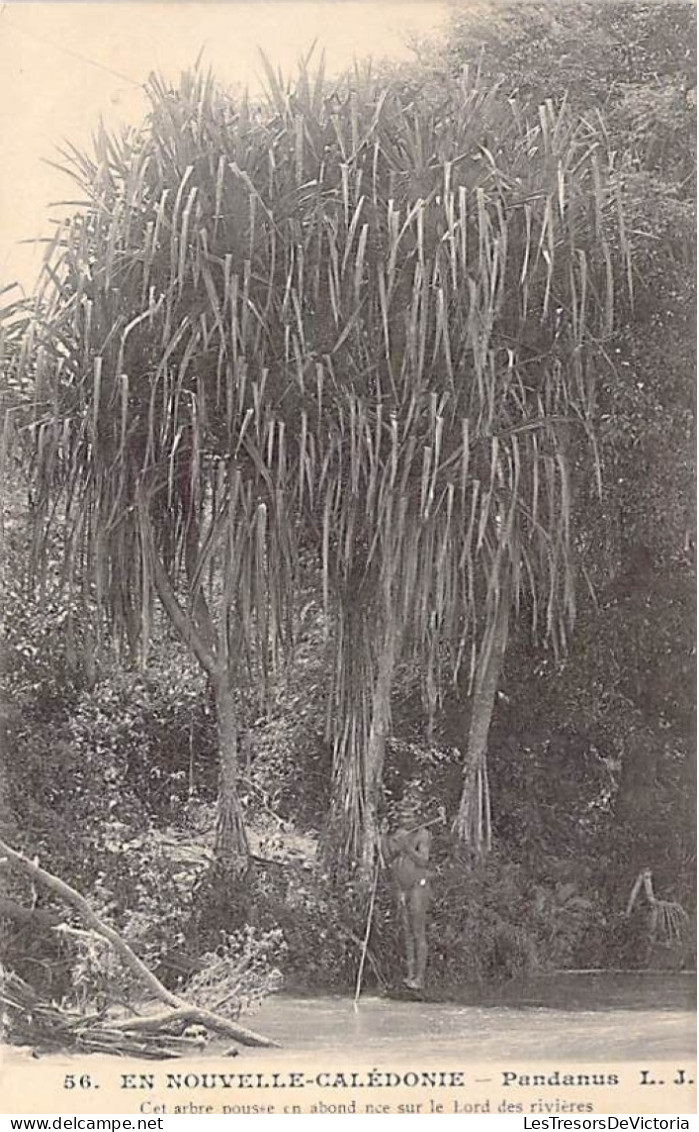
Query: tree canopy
337	325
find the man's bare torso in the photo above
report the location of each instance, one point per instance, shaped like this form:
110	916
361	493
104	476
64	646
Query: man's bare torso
409	853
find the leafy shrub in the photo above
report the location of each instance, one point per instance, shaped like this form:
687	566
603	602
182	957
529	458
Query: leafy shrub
491	922
322	925
242	971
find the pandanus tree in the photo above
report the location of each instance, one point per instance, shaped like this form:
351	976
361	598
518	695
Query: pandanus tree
462	291
156	437
341	325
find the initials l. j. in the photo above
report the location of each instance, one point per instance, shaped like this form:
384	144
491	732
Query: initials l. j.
680	1078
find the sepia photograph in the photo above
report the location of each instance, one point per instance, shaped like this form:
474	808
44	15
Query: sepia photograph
347	547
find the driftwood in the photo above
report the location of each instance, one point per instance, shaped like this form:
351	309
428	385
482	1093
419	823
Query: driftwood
47	1026
152	1021
180	1008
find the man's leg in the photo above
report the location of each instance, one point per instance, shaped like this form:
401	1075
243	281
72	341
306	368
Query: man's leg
407	936
419	905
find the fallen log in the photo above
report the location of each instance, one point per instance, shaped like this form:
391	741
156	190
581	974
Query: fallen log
30	1020
185	1013
137	967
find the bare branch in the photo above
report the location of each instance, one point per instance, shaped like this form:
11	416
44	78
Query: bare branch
129	958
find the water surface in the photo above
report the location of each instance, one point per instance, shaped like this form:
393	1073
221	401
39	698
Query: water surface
599	1017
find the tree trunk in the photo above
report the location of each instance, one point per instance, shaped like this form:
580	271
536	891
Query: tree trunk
199	634
376	748
472	824
231	849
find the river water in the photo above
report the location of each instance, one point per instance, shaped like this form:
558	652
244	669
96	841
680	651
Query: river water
604	1017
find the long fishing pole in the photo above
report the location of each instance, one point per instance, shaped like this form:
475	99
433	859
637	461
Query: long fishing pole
367	933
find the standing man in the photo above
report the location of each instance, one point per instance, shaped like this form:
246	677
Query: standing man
407	853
